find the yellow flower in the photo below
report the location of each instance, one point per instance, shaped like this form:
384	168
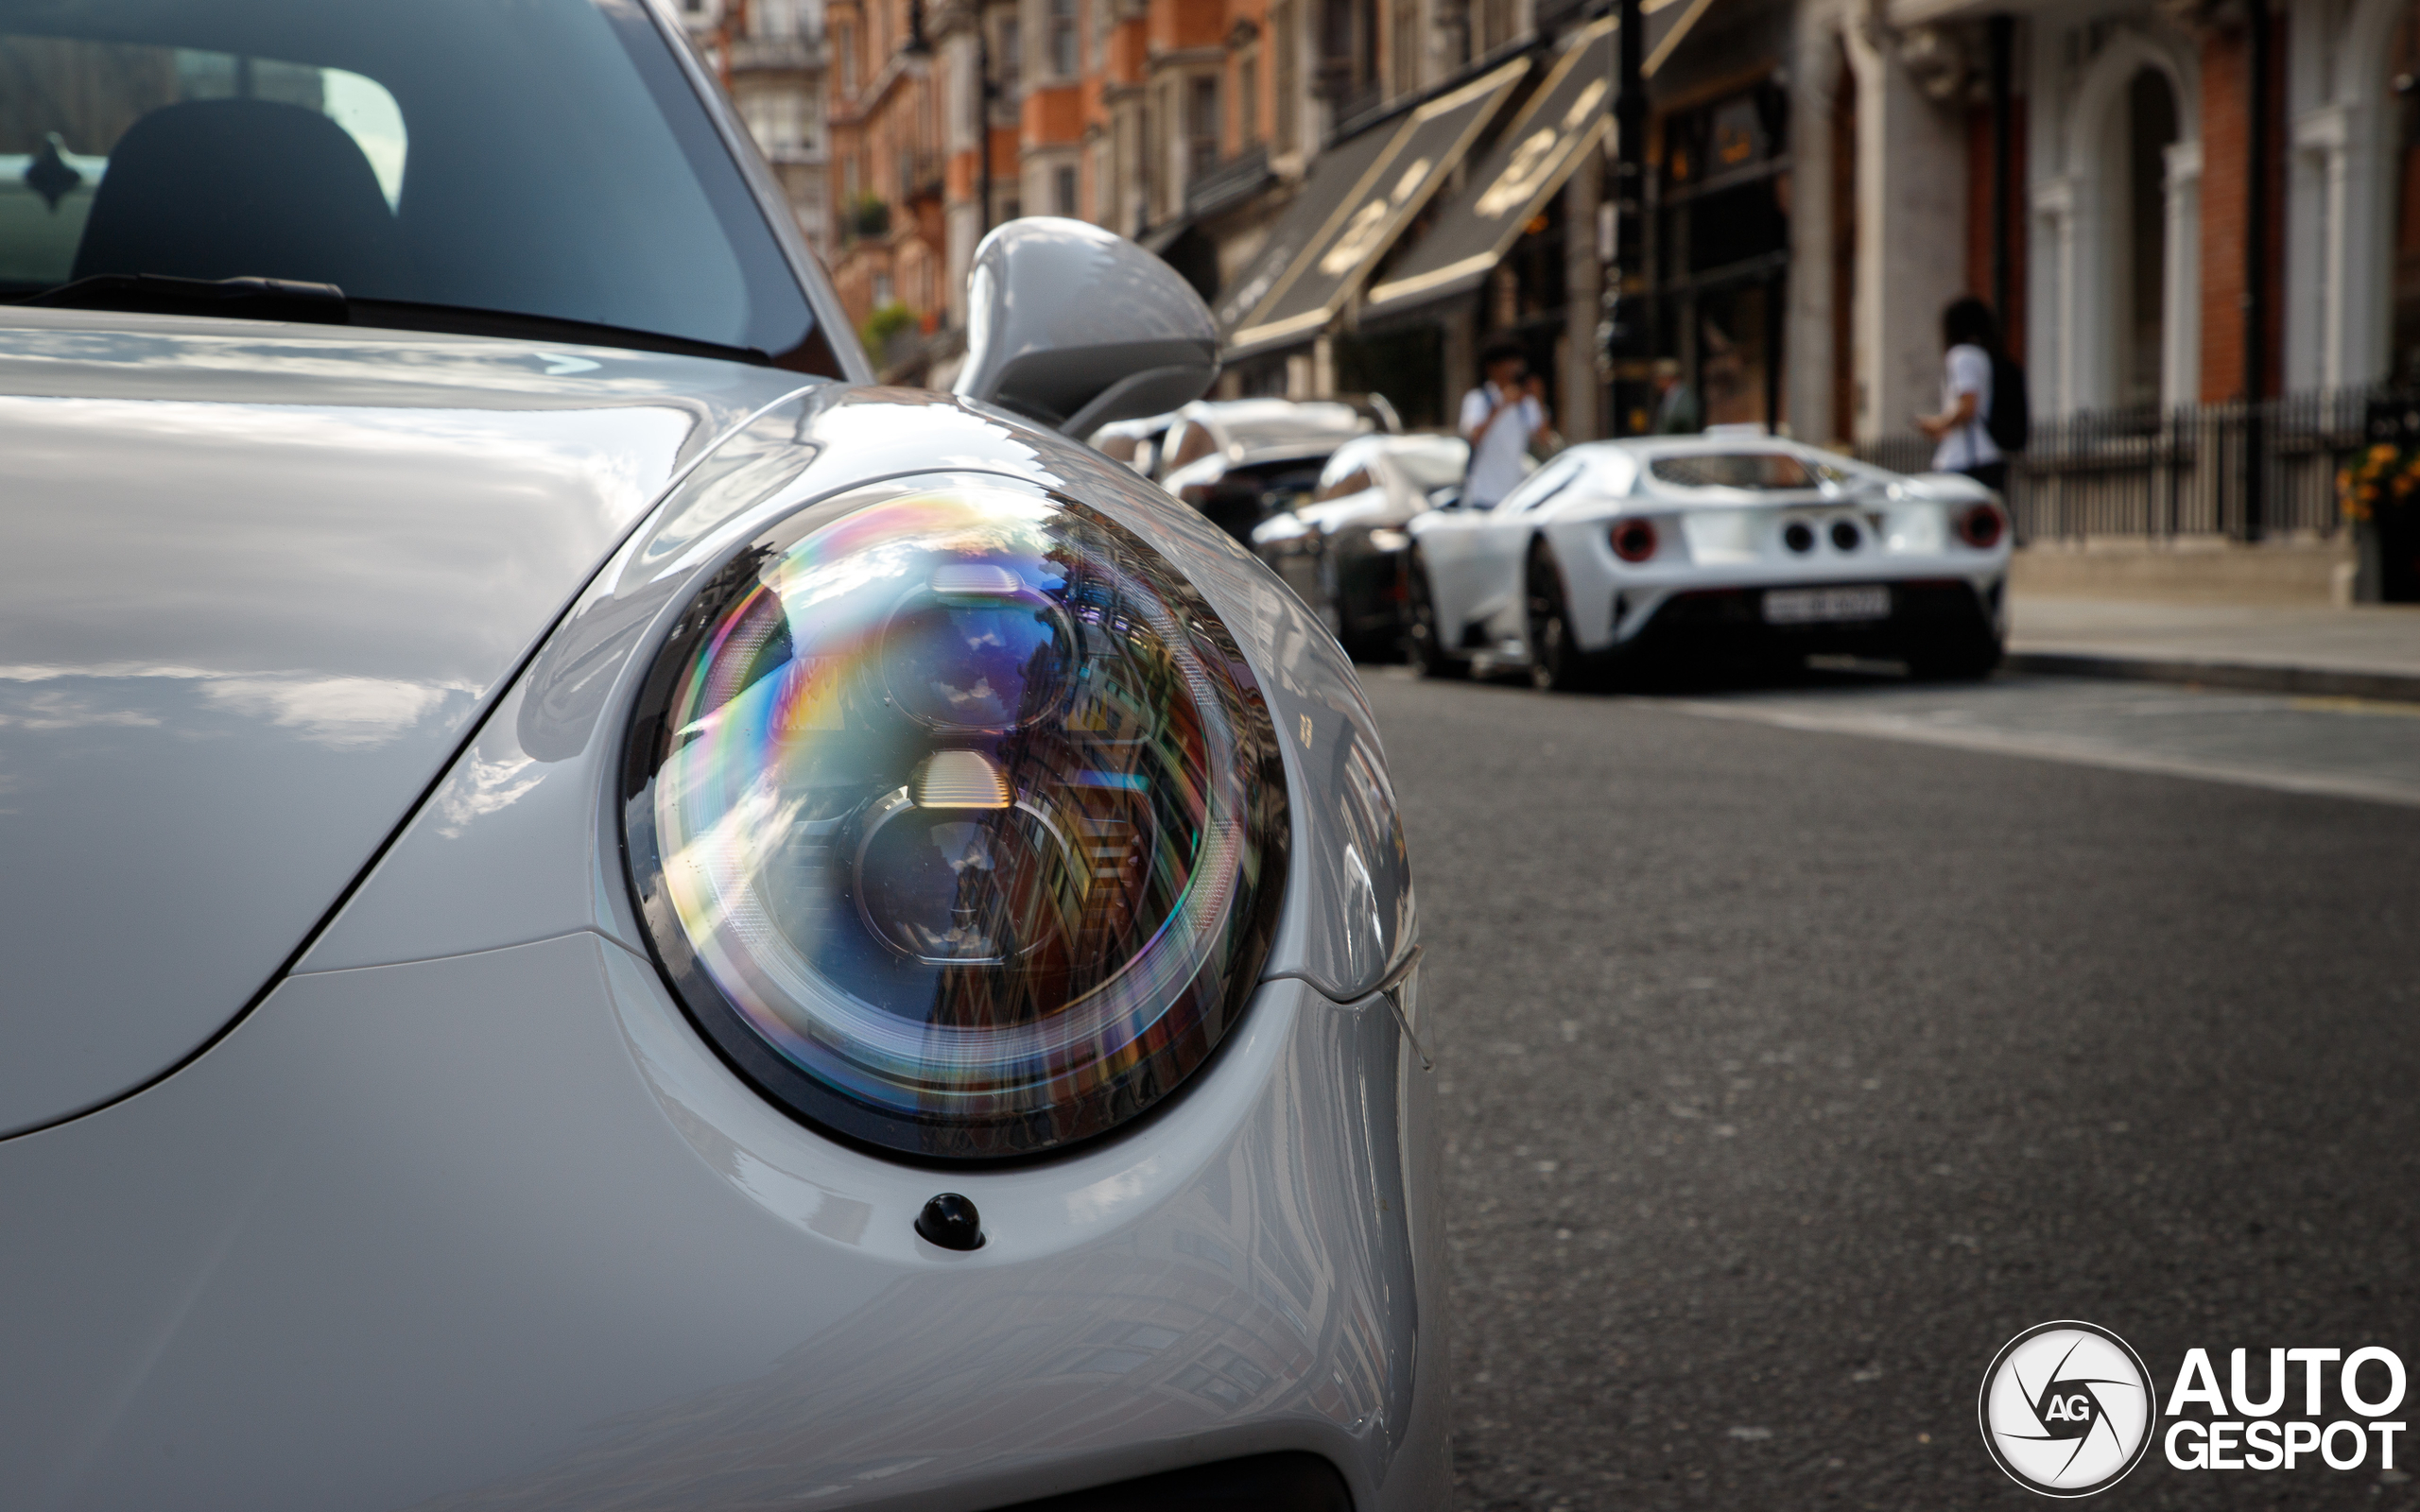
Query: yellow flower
2382	453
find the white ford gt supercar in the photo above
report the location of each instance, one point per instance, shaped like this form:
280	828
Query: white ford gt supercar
602	913
1620	556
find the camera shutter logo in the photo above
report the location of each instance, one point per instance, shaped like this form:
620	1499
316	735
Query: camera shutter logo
2067	1409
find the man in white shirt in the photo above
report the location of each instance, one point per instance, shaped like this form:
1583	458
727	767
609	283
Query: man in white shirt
1499	418
1962	430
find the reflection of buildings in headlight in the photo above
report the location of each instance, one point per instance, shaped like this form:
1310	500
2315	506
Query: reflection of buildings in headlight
987	654
1096	856
813	695
974	817
961	888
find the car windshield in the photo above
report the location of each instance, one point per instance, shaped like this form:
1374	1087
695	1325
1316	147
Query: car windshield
537	158
1432	462
1768	472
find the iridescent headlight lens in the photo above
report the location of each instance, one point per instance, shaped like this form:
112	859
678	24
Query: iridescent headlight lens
957	819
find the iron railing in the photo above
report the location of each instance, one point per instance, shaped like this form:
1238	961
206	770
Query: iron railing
2179	472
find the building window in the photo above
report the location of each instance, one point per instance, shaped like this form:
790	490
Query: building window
2141	284
1283	39
845	43
1404	44
778	122
1721	252
1063	190
1248	99
1200	126
2403	116
1063	38
1010	59
1160	123
1495	25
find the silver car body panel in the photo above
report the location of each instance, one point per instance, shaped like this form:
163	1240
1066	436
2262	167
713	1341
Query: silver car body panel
1349	910
260	581
501	1231
465	1208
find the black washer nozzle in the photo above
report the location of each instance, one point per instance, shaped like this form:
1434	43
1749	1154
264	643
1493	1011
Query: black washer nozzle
951	1222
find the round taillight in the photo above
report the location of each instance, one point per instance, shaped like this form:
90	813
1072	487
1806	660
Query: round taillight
1980	526
1634	539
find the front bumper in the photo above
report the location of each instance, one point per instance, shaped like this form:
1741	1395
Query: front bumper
499	1231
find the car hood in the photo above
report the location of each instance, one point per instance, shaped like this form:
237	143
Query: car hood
257	583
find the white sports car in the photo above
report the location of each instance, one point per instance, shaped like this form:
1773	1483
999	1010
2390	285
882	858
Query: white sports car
602	913
1617	556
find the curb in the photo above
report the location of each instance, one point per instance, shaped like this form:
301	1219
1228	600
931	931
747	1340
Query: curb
2334	682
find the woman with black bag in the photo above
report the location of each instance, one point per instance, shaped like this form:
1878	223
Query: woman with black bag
1978	424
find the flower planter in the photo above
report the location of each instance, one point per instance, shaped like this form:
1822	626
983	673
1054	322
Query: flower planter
2379	489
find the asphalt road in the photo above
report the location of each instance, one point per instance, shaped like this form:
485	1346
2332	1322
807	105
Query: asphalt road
1796	1054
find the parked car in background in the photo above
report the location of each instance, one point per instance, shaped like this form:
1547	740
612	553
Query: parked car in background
1623	555
1237	460
1134	442
601	912
1343	550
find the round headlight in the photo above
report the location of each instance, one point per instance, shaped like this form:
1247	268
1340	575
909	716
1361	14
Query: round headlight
955	818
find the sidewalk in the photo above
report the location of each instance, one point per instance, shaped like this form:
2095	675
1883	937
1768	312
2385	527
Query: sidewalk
2370	652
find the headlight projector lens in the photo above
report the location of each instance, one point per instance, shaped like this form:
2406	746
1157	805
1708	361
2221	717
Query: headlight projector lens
955	818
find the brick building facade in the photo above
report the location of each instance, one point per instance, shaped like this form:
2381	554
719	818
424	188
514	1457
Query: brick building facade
768	55
2133	159
1186	124
2206	201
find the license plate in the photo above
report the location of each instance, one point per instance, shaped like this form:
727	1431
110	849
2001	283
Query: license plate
1820	605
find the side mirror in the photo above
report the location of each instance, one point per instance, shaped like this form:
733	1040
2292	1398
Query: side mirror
1074	327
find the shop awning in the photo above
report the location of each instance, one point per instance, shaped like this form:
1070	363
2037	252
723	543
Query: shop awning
1339	226
1561	124
1333	176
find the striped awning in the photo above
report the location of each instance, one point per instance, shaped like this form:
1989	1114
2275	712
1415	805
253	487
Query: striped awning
1568	117
1339	226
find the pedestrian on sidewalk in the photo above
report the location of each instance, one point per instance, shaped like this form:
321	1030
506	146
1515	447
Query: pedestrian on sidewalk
1499	419
1967	430
1676	402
